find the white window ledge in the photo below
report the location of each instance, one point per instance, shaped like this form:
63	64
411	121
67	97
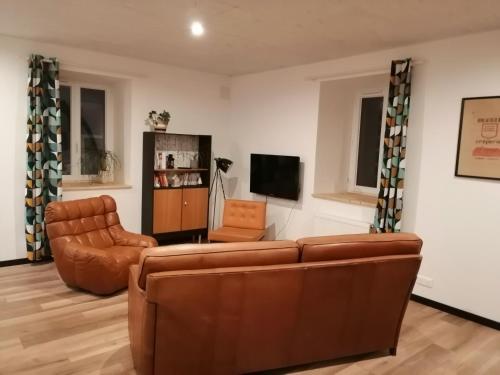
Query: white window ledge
86	185
351	198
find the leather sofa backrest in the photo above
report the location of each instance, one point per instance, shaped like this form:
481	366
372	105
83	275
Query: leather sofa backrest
216	255
247	319
244	214
326	248
84	220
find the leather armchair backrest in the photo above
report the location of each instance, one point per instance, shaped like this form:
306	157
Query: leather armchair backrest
84	220
244	214
354	246
216	255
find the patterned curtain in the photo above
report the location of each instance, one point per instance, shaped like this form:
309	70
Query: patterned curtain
390	197
44	151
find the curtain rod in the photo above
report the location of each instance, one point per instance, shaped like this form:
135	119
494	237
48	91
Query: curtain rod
337	77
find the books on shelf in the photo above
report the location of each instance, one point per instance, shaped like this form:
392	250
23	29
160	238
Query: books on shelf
161	180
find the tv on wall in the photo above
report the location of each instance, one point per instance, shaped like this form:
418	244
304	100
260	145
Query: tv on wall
275	175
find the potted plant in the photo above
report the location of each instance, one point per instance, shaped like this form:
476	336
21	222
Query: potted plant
108	164
158	122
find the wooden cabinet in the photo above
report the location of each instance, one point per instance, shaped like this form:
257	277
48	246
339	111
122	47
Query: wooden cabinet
180	209
167	211
194	202
170	211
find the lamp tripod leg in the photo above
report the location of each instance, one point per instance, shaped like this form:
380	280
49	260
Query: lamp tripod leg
222	186
217	173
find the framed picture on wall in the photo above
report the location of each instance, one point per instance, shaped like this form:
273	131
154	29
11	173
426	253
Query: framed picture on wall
478	151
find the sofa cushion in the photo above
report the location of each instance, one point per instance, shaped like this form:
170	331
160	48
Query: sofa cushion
218	255
315	249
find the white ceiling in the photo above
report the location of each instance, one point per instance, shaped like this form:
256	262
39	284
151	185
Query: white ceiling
243	36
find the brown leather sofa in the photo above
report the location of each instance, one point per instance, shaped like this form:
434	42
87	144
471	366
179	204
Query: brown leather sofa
236	308
91	249
242	221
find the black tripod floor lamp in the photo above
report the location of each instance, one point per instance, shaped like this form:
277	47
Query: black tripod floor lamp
222	165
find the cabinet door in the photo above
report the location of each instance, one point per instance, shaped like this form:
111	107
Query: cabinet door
167	210
194	208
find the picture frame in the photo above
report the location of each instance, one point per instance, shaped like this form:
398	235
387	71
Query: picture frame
478	150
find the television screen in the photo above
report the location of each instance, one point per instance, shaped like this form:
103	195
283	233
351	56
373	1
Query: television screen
275	175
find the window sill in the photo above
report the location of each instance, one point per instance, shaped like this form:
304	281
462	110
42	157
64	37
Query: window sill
85	185
351	198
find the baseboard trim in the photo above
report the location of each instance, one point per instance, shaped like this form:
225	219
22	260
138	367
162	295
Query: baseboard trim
13	262
17	262
454	311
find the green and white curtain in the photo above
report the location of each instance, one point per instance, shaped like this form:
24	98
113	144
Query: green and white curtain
43	151
390	197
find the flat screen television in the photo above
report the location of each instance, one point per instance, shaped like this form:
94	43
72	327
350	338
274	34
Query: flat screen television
275	175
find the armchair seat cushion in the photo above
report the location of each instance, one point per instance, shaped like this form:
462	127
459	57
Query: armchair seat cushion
128	254
230	234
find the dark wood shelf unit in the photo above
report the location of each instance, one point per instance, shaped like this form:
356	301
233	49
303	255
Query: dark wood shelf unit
172	213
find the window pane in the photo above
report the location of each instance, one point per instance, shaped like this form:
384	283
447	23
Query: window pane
92	129
65	92
369	141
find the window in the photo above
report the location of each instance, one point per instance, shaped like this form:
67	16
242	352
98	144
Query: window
367	144
84	121
351	118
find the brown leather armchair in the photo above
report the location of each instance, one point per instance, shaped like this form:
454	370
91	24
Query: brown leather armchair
238	308
243	221
91	249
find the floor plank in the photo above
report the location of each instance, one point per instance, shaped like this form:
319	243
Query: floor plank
48	328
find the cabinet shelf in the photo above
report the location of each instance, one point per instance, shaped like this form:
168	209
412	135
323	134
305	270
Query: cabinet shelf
181	187
182	170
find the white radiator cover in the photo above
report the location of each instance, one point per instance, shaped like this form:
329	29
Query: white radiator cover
327	224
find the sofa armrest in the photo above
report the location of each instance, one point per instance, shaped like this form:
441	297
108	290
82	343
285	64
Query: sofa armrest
125	238
141	323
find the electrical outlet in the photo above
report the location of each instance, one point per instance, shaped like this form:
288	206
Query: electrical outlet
426	281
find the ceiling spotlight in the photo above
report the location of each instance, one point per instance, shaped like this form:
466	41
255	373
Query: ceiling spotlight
197	28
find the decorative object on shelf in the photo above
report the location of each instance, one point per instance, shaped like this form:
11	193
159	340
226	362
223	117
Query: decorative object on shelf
478	151
160	161
193	163
170	161
221	164
108	164
176	181
158	122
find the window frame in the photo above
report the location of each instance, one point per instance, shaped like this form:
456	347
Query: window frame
356	128
75	125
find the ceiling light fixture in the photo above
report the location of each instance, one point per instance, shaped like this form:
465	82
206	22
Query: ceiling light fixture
197	28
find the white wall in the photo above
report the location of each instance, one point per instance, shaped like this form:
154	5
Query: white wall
194	99
458	219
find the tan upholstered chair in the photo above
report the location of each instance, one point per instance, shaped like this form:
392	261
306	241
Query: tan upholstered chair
242	221
91	249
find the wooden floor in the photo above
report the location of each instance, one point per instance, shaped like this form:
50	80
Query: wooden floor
47	328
